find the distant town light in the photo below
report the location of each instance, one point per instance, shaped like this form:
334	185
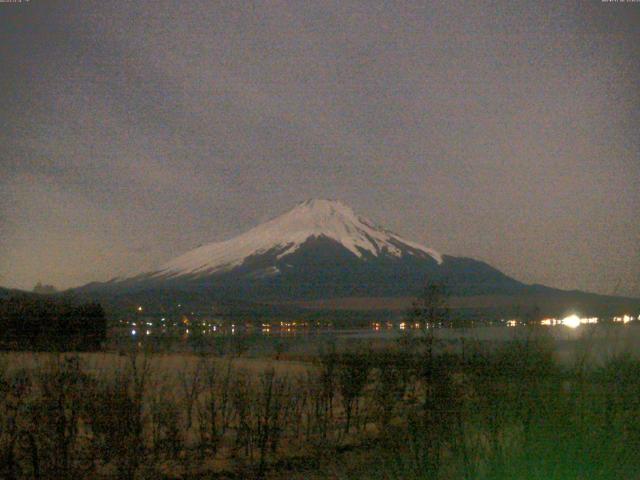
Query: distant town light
133	332
623	319
572	321
140	308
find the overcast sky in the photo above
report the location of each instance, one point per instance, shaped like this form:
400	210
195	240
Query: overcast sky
131	132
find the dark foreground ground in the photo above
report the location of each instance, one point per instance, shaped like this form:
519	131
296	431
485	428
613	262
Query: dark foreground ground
408	408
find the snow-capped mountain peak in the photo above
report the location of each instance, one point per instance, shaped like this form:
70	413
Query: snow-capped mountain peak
287	233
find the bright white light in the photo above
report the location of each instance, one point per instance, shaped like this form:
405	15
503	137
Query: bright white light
139	309
133	332
572	321
148	332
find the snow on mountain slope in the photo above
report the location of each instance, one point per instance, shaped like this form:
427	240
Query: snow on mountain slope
286	233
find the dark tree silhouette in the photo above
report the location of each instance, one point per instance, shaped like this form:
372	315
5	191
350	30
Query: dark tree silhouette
36	322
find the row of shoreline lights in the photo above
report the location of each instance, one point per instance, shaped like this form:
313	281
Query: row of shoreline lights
574	321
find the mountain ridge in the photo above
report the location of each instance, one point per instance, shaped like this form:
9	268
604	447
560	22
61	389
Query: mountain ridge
322	250
319	248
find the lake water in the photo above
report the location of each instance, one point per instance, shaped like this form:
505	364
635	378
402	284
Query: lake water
597	342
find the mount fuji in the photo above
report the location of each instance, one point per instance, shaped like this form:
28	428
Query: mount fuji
309	221
319	249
